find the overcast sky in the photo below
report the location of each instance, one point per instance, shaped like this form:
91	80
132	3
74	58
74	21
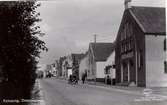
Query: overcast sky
69	25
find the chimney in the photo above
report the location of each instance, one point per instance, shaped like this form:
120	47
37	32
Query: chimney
127	4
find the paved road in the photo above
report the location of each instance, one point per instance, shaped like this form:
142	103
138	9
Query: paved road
58	92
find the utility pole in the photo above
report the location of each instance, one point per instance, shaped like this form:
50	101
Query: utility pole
95	38
95	46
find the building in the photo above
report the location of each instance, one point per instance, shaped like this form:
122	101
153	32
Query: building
97	56
70	65
141	47
54	70
84	65
65	66
60	67
109	69
48	70
75	60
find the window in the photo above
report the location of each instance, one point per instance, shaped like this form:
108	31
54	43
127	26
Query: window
125	47
127	30
165	66
122	48
125	33
130	46
107	69
121	36
164	44
130	30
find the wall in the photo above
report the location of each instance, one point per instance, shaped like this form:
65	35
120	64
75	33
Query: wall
69	72
100	69
155	57
92	65
111	61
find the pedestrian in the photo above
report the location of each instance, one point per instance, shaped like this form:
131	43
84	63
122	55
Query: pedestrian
83	78
70	79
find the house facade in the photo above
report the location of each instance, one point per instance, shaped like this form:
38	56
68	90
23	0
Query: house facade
109	69
59	66
141	47
70	65
76	59
97	56
65	66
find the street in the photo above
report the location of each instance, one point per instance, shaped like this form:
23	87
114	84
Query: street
59	92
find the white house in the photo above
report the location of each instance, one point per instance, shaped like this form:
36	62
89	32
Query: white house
155	55
97	56
109	68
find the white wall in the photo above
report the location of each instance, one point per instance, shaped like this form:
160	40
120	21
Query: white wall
155	57
83	66
69	72
111	61
100	69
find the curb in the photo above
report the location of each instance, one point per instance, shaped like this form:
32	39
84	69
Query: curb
42	102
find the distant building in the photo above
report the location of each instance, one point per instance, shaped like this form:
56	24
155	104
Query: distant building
60	66
84	65
97	56
70	65
40	74
65	66
54	70
48	70
74	61
75	64
141	47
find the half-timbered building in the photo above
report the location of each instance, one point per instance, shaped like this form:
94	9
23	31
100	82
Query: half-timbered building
141	47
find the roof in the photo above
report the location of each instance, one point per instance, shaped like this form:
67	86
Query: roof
151	19
102	51
77	57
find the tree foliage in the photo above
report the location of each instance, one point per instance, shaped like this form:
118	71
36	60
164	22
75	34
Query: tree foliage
20	43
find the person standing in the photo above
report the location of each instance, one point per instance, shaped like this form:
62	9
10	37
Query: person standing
84	75
83	78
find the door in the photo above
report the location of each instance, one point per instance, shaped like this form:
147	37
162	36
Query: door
125	72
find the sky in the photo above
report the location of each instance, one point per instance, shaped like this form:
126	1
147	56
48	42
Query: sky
70	25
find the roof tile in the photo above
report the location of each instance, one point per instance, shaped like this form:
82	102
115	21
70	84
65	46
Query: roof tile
102	51
151	18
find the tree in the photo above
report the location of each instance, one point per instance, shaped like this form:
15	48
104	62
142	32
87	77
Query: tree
20	44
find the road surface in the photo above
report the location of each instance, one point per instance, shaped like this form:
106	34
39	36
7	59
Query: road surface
59	92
